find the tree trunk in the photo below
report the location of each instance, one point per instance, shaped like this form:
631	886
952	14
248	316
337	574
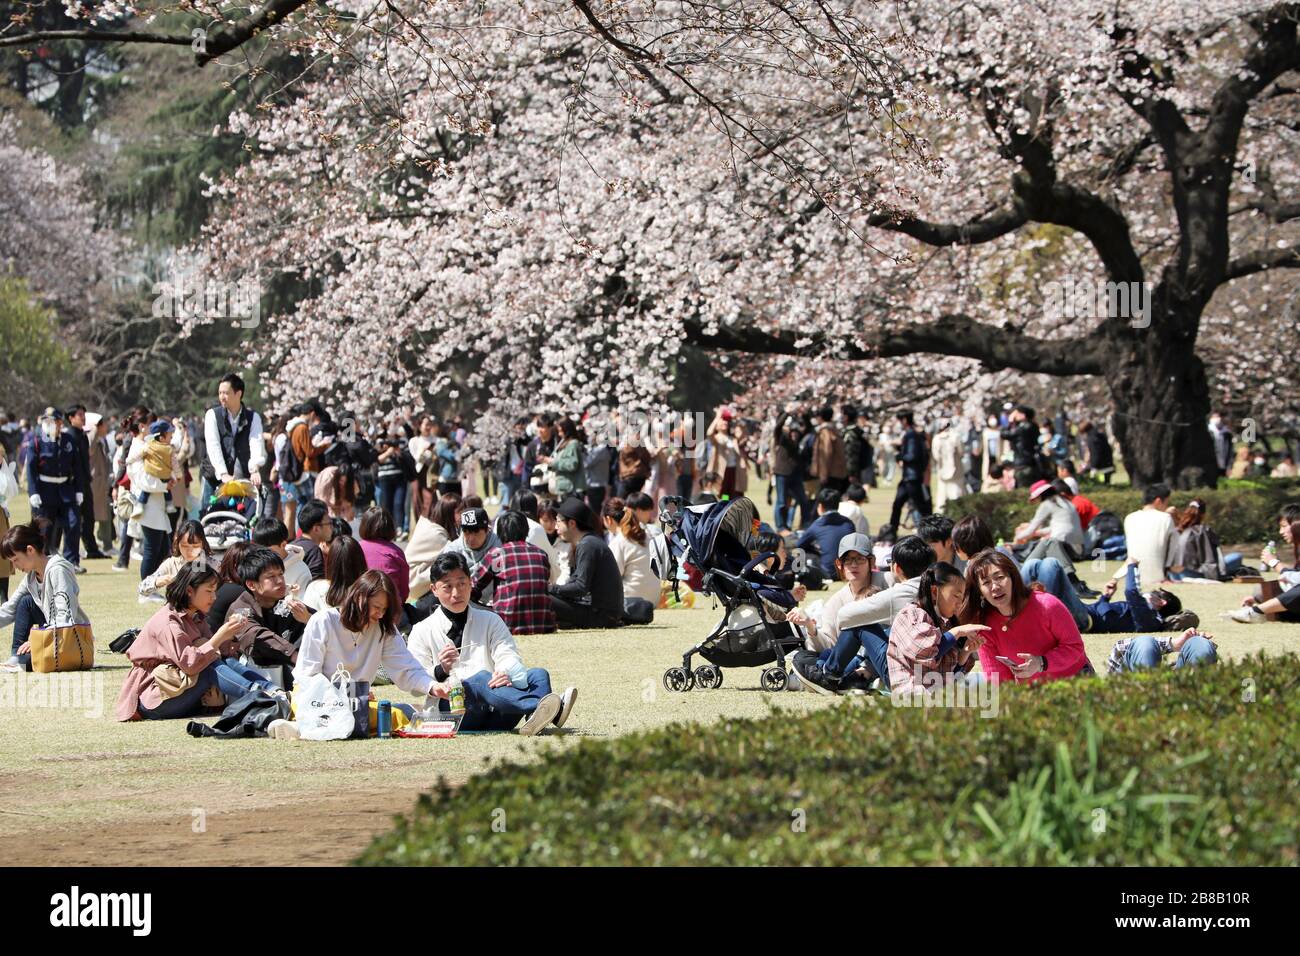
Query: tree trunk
1162	408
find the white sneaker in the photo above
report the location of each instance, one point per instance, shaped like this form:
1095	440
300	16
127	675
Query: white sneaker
12	666
1246	615
282	730
566	705
543	716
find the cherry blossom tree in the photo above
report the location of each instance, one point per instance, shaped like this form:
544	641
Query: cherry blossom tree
520	204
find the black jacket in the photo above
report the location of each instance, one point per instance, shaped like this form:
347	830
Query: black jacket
914	455
594	580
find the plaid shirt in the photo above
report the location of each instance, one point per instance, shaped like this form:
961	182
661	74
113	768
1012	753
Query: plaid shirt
519	573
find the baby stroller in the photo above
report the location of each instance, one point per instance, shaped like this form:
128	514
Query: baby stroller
711	540
228	516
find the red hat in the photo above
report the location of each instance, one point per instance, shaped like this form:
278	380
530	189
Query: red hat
1038	487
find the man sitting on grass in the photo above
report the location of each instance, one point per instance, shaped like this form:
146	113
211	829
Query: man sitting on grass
463	644
275	625
271	533
864	628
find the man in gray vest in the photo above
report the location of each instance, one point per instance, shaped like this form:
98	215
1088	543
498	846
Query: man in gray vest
232	439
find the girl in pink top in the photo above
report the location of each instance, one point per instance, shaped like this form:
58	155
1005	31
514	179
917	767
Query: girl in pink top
1032	636
925	638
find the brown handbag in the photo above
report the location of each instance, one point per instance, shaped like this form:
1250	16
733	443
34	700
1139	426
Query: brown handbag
67	648
171	681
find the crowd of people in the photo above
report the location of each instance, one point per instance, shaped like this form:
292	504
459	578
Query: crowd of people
369	548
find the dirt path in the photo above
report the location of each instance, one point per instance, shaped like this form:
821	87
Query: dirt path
330	832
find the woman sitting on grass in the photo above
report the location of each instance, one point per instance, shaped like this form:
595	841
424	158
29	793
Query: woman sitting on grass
1031	636
344	565
360	635
176	659
189	545
46	595
925	637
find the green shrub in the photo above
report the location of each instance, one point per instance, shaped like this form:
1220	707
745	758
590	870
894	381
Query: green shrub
1240	511
1170	767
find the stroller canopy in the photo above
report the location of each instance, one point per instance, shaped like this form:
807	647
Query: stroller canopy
718	533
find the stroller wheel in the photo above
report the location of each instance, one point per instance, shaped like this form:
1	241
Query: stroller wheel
774	679
708	676
678	679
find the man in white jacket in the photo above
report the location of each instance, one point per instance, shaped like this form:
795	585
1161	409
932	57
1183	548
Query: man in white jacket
462	643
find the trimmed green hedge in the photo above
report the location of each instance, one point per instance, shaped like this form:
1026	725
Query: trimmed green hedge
1169	767
1240	511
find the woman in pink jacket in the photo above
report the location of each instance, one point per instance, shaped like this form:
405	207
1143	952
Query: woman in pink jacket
178	634
1032	636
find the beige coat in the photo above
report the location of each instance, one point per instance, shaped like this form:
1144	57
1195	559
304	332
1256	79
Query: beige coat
828	454
101	477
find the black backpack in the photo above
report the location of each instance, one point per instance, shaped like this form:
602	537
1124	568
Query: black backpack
1106	524
287	463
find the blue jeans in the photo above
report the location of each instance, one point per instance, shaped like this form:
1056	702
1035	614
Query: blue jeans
1049	573
154	550
788	487
1144	653
392	498
65	517
27	615
856	644
231	677
500	708
509	488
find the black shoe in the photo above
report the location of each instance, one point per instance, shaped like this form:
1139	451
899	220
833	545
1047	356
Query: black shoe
813	676
96	556
856	683
1083	589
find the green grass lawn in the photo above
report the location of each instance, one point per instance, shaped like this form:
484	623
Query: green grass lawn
80	787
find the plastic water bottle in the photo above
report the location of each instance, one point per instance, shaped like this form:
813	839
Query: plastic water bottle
384	719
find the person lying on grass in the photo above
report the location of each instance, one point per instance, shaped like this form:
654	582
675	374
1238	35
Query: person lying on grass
925	637
1031	636
360	636
464	644
189	546
176	659
1146	651
1159	610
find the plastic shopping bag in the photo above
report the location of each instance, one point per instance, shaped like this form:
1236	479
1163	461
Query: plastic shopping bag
8	483
324	708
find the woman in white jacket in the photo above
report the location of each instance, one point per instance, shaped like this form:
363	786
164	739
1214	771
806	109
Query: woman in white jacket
461	643
360	636
630	545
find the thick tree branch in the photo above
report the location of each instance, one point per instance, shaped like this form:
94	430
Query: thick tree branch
98	36
974	232
215	42
953	334
1260	261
